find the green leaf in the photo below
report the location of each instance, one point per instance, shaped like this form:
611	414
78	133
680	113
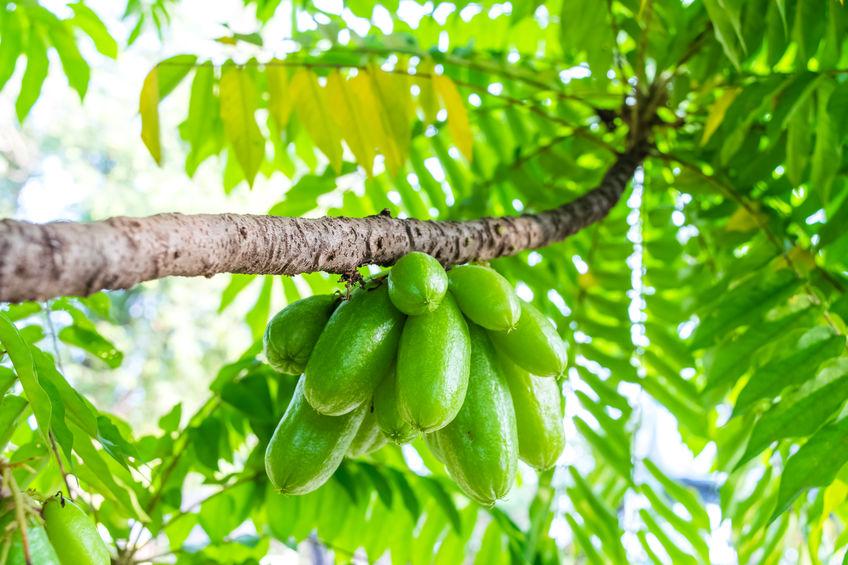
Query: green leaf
744	304
585	541
10	45
585	28
827	153
34	75
170	422
798	144
726	26
731	359
444	501
674	552
814	347
21	356
92	342
252	396
801	412
86	20
303	196
75	67
202	126
11	409
814	465
681	494
238	114
172	71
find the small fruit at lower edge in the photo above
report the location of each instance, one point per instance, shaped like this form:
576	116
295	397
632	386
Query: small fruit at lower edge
292	333
387	411
534	344
485	297
432	366
480	445
538	415
307	447
368	437
72	533
354	353
417	283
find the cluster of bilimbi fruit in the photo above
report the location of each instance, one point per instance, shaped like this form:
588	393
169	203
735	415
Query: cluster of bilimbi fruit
454	355
57	532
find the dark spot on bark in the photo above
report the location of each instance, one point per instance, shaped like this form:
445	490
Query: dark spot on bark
177	254
243	232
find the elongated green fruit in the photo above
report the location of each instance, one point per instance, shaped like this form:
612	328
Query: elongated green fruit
368	437
387	411
432	366
432	441
417	284
538	415
534	344
292	333
354	353
307	447
73	534
485	297
480	446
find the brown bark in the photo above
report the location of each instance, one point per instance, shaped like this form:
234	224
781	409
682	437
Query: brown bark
40	261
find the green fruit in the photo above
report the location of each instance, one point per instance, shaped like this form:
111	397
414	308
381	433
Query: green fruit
485	297
368	437
73	534
538	415
387	410
417	284
432	366
307	447
291	334
534	344
480	446
41	551
432	441
354	353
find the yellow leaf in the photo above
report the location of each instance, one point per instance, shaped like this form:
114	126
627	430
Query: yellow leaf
392	93
586	281
742	220
281	97
457	114
427	98
717	111
148	107
313	110
238	114
352	108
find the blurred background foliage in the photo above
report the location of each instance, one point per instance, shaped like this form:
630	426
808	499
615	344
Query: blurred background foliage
706	315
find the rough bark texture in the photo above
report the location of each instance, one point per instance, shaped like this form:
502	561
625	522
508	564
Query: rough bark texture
40	261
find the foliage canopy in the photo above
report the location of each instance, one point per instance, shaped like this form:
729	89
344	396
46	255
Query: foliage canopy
715	293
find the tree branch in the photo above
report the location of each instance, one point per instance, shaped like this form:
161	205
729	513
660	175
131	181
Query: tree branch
41	261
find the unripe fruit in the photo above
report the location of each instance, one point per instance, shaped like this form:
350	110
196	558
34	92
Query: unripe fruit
73	534
387	411
538	415
417	283
432	441
292	333
534	344
480	446
368	437
307	447
432	366
354	353
485	297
